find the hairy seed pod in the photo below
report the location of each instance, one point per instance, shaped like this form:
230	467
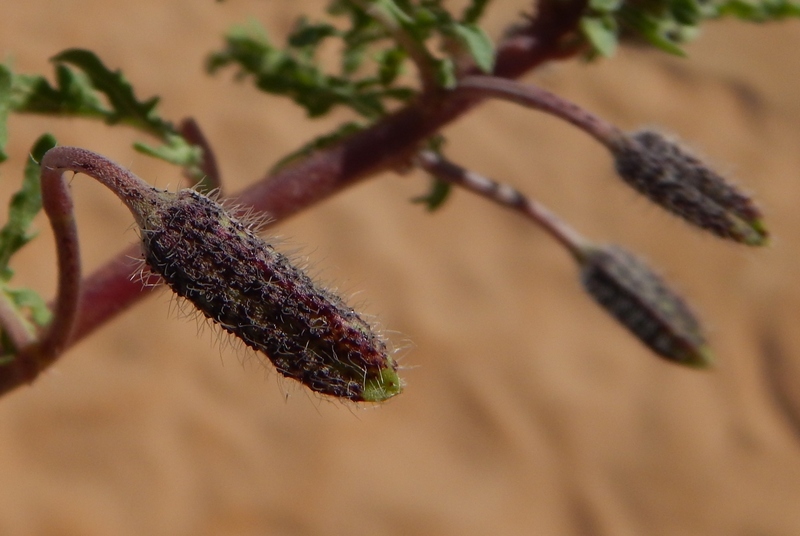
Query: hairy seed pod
642	302
683	184
238	280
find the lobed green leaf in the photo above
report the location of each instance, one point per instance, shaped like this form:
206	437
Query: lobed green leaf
124	104
24	206
176	150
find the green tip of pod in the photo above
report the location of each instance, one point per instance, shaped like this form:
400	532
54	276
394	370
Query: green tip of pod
383	386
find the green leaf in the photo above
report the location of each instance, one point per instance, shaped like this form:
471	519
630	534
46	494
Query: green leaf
446	73
298	76
686	12
73	95
391	10
477	43
474	11
25	298
652	28
310	35
759	11
5	108
438	194
24	206
176	150
605	6
601	32
118	91
390	64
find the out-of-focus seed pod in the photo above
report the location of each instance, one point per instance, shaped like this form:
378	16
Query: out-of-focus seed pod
238	280
642	302
675	179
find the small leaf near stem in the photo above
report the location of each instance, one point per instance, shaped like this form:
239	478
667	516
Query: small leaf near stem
394	20
23	208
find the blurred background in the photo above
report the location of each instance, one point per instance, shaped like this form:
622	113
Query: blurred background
527	410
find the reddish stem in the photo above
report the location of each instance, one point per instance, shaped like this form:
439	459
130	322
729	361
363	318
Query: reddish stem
550	35
212	180
540	99
57	203
507	196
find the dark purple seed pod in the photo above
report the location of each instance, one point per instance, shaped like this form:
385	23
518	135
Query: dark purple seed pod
642	302
238	280
675	179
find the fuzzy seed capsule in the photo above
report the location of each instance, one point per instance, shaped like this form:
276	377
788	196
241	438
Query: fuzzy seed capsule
686	186
238	280
642	302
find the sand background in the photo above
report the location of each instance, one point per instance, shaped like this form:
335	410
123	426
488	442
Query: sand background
527	410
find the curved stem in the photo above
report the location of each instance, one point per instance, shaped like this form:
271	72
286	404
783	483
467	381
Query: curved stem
130	189
57	204
540	99
506	195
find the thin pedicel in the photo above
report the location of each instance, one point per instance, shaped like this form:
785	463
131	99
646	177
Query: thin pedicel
654	165
619	282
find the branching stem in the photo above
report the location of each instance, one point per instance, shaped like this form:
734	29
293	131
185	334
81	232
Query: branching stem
548	36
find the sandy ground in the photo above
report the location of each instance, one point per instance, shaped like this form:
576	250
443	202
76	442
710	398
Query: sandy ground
527	410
